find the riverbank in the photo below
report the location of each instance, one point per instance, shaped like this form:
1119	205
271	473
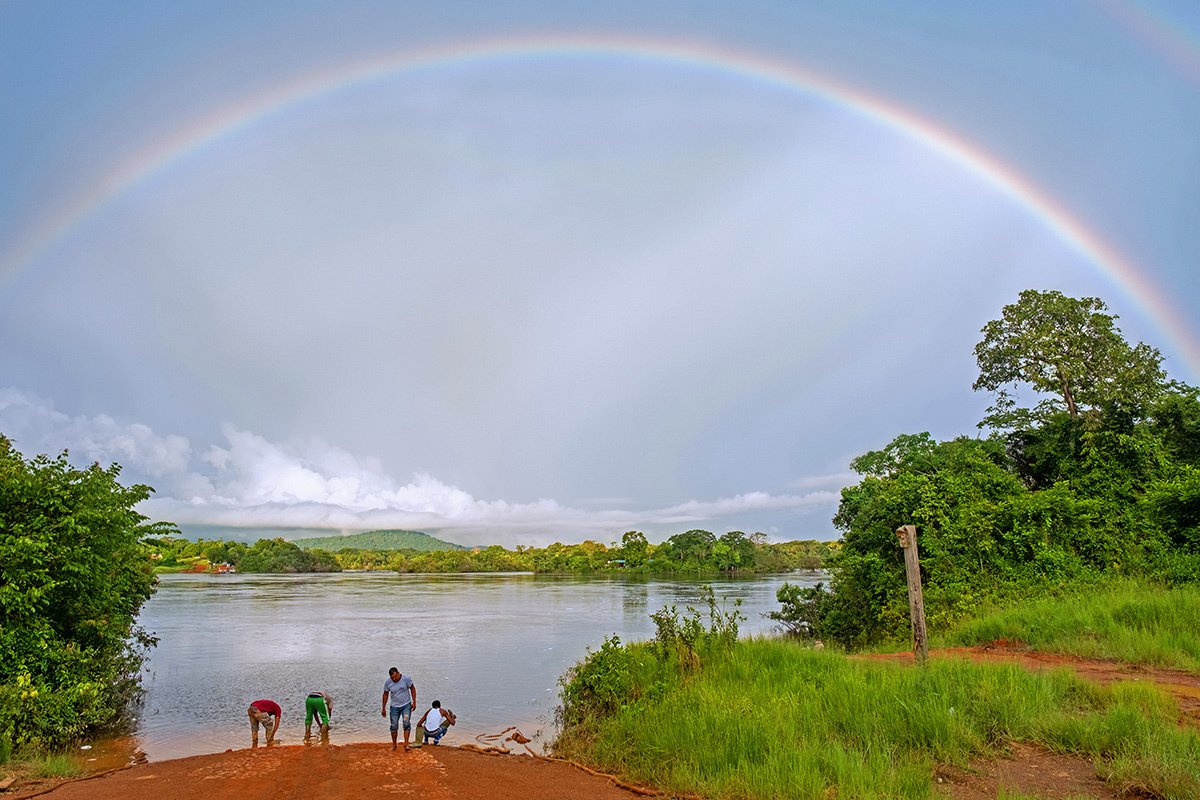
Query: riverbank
812	722
339	773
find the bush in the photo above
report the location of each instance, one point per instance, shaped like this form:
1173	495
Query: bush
802	610
598	685
73	576
684	638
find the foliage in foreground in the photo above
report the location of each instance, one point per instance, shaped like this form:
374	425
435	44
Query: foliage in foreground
73	576
611	677
815	723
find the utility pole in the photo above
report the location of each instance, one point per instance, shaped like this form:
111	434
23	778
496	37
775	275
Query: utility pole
916	602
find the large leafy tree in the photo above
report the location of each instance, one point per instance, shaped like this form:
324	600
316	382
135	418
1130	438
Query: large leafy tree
73	576
1070	352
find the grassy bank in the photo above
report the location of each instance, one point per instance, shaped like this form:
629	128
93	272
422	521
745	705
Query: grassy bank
41	764
1126	622
769	718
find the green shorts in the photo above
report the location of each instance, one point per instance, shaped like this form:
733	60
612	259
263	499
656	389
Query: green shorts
315	705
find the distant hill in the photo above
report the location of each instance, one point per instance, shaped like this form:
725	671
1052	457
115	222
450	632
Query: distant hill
378	540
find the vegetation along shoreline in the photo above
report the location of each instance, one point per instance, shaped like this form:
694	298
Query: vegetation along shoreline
1069	525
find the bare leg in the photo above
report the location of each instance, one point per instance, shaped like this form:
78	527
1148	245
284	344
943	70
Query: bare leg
393	740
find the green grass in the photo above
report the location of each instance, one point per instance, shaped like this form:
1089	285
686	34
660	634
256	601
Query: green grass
1130	622
56	765
771	719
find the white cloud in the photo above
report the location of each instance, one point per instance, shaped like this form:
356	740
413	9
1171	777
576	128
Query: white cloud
251	482
35	426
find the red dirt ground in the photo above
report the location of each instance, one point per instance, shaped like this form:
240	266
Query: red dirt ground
441	773
340	773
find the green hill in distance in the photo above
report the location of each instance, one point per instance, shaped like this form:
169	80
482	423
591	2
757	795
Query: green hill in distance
378	540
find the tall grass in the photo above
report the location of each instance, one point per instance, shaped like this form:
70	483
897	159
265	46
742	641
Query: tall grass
1129	622
56	765
770	719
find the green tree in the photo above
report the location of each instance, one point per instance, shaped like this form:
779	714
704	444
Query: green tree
73	576
1070	352
634	548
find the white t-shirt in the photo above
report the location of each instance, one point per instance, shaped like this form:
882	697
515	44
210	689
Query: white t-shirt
433	720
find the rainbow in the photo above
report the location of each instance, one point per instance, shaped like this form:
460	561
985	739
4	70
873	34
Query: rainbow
1165	37
229	121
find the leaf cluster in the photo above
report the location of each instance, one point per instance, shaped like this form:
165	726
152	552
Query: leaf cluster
73	576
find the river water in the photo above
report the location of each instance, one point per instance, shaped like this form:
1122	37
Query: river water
490	647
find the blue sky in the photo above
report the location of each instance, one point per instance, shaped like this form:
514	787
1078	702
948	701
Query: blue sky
562	281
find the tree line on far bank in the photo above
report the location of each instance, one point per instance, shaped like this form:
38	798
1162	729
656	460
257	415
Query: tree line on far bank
690	552
1089	471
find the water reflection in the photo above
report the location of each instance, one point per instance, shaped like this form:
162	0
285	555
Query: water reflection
490	646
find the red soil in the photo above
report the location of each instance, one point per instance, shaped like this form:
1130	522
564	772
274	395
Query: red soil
341	773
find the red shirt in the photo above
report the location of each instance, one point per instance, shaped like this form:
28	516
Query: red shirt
269	706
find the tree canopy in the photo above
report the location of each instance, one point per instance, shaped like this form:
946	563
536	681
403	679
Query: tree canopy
1069	349
73	576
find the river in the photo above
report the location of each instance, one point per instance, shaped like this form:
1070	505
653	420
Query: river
490	647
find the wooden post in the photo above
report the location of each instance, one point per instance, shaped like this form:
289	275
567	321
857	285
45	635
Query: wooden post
916	603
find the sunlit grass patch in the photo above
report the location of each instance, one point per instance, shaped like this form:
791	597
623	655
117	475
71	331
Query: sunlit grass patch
1131	622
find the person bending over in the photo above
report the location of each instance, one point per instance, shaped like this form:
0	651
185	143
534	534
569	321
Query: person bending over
435	722
266	713
319	705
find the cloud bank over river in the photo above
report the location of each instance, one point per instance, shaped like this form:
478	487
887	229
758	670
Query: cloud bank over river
247	481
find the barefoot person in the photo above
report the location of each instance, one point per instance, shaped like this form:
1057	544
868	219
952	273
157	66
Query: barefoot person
319	705
435	722
403	696
267	714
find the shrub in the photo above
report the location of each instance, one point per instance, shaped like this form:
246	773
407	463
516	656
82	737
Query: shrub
73	576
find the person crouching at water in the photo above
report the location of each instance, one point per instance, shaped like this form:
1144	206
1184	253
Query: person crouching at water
319	705
267	714
435	722
403	694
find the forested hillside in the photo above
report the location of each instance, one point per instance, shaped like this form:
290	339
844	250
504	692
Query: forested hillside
378	540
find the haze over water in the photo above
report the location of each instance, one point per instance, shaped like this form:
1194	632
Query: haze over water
491	647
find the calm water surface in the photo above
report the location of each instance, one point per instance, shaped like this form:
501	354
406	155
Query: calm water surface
490	647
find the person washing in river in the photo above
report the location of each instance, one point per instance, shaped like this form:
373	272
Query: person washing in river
266	713
319	705
434	723
403	694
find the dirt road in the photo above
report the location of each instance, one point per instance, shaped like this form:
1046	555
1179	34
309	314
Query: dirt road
340	773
